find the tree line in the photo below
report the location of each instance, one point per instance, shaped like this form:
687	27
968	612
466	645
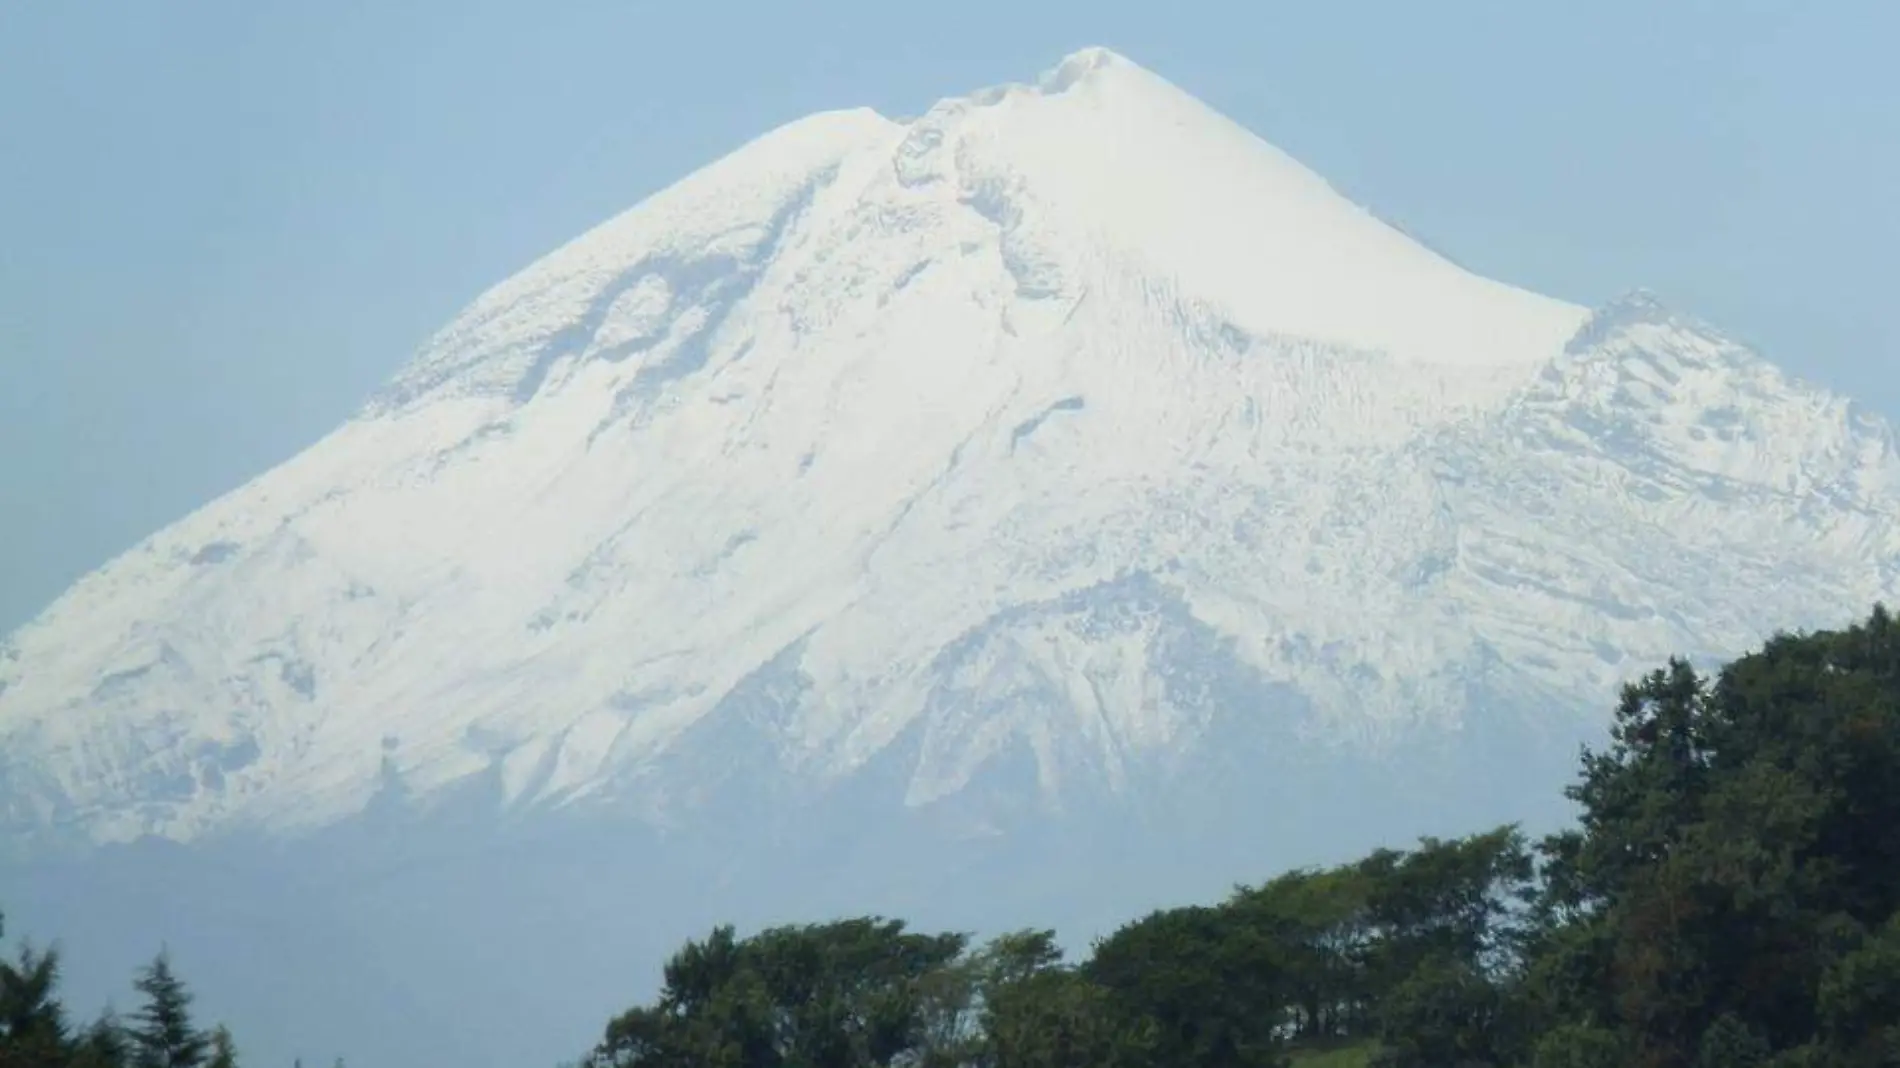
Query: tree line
36	1032
1728	898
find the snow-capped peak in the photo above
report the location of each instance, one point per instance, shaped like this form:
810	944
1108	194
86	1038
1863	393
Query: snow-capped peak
1082	63
1107	148
1098	162
1067	421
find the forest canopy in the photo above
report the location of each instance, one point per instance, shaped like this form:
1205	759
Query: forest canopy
1729	897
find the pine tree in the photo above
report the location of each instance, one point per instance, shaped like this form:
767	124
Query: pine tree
223	1048
29	1004
162	1033
32	1021
102	1045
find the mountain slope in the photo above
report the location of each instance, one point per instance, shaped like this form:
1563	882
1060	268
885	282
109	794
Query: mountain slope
1061	425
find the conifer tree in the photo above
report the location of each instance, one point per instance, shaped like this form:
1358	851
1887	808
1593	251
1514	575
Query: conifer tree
223	1048
33	1029
162	1035
103	1044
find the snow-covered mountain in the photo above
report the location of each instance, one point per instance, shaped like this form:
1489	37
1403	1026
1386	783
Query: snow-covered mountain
1069	421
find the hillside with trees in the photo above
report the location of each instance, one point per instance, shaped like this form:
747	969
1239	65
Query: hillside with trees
1729	897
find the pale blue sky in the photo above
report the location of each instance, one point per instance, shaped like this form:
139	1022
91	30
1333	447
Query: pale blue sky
222	226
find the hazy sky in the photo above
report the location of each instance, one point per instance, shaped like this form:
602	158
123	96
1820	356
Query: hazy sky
222	226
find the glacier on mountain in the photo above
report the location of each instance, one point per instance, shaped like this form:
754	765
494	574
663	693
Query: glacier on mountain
1066	420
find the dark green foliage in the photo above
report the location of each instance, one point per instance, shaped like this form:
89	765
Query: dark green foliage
1444	1013
33	1028
971	1000
1452	900
854	993
1442	967
162	1032
1739	841
1730	1042
224	1049
1859	1000
1324	932
103	1045
34	1032
1060	1019
1578	1046
1210	981
1419	947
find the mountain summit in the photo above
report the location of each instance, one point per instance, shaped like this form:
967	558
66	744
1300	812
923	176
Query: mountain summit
1069	428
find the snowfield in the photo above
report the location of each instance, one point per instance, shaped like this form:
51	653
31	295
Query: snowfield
1066	420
